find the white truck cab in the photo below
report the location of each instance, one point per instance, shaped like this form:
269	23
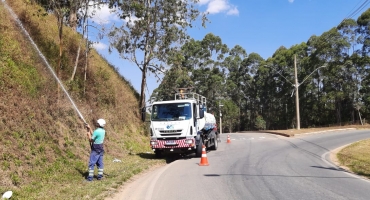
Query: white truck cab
182	125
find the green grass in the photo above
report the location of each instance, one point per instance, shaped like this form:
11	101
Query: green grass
44	152
64	179
356	157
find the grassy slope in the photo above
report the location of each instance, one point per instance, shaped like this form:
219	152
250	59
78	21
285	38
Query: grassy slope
44	150
356	157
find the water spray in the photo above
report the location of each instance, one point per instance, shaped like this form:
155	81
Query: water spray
43	58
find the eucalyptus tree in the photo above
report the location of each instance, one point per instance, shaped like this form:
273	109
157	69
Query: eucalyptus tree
364	39
331	49
209	74
151	31
204	60
241	68
247	72
174	78
213	51
353	65
230	116
263	89
234	63
363	29
278	87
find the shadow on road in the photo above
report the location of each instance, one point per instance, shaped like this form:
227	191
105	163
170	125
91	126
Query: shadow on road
331	168
168	157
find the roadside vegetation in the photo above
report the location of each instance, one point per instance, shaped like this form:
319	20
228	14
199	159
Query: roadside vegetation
356	157
44	150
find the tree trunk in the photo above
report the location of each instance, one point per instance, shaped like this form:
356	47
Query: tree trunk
76	62
60	27
143	83
359	114
73	18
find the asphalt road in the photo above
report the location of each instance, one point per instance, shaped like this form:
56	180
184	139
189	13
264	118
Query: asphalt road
257	166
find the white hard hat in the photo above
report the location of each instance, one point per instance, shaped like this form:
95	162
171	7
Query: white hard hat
101	122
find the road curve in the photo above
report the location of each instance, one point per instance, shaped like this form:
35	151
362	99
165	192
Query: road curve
257	166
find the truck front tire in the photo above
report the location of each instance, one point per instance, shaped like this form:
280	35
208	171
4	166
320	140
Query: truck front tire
198	151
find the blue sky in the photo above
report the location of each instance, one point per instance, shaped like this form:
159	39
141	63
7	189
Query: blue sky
259	26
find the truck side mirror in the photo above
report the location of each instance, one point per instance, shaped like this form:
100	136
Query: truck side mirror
201	113
143	114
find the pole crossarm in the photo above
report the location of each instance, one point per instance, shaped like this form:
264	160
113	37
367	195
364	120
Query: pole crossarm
310	75
296	86
280	74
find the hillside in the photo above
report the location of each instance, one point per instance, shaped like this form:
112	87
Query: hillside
44	148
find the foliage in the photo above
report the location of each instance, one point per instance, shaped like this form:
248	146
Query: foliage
151	32
260	123
332	73
44	149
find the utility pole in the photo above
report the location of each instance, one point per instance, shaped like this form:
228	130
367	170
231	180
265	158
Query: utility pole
220	123
296	85
220	105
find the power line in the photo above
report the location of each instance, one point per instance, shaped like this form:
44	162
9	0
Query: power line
359	9
352	11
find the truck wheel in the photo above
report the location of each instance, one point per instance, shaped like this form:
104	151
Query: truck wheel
198	151
215	145
158	154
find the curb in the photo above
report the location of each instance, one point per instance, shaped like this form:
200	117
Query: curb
342	129
292	135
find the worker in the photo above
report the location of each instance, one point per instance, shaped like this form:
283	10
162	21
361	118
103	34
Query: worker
96	139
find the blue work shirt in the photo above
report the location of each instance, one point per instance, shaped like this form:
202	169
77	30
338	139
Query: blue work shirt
98	136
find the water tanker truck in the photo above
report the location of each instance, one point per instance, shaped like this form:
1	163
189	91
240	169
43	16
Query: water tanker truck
182	125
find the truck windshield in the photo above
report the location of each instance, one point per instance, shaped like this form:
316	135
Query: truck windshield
171	112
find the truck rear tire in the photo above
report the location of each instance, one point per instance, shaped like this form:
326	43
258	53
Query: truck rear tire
198	151
215	145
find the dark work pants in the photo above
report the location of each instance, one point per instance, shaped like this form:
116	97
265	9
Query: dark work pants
96	157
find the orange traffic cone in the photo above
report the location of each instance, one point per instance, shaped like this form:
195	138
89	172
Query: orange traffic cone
228	139
203	159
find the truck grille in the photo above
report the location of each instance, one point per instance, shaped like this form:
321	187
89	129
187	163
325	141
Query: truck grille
170	132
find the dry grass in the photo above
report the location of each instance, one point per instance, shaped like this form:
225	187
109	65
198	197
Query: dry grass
356	157
44	150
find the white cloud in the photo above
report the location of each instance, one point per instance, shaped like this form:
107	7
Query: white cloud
99	46
131	20
202	2
219	6
103	15
291	1
233	11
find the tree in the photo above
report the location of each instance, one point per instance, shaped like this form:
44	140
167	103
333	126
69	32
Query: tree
229	115
237	71
153	30
260	123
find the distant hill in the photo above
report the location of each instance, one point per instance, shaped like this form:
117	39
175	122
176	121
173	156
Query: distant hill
43	144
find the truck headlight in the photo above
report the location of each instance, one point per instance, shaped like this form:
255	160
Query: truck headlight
189	141
154	142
